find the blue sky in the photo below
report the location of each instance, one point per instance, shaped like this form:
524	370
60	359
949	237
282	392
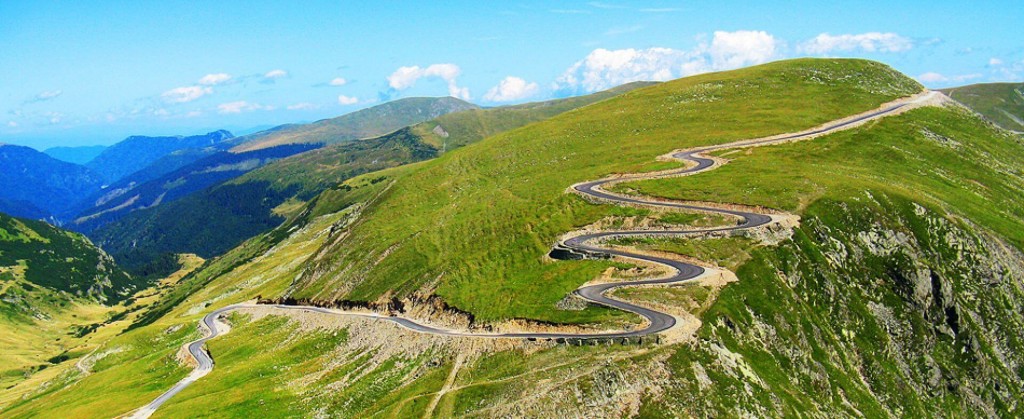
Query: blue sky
82	73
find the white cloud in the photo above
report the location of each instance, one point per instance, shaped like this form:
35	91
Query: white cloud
241	106
603	69
161	112
49	94
186	94
214	79
303	106
740	48
933	77
338	81
406	77
193	114
347	100
867	42
511	88
275	74
12	124
995	61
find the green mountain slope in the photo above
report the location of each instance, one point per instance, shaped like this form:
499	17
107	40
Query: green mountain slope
365	123
477	224
51	281
213	221
1002	103
60	260
899	294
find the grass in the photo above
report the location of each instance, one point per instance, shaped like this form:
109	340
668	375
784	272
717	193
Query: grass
146	349
477	223
897	155
1002	103
35	352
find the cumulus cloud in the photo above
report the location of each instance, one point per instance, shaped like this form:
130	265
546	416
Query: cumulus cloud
740	48
995	61
603	69
347	100
933	77
215	79
12	124
867	42
275	74
186	93
241	106
406	77
303	106
338	81
511	88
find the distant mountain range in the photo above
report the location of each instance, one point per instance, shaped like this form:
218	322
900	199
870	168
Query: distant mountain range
35	185
365	123
136	152
196	176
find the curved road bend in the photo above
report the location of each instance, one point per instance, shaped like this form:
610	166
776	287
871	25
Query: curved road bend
587	243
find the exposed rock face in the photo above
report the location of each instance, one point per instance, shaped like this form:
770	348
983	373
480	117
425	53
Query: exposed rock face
919	312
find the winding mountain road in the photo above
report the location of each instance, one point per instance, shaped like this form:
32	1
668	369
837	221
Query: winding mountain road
589	244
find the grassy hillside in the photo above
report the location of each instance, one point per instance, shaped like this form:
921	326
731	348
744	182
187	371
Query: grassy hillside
455	130
898	295
213	221
475	225
60	260
365	123
52	284
1002	103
